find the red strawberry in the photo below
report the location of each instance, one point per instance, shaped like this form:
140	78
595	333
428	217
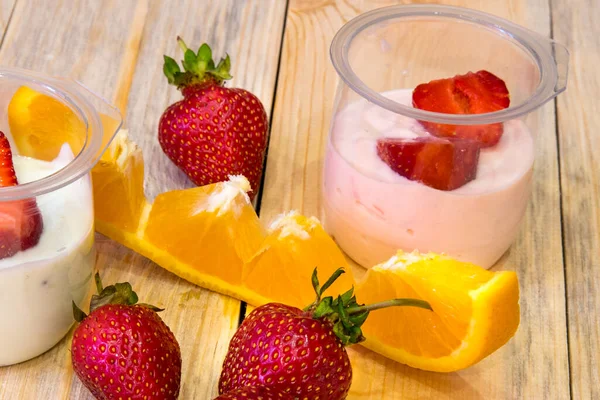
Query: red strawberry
254	393
214	132
472	93
444	164
300	352
123	349
21	223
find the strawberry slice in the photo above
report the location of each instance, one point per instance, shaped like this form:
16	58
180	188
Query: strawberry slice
472	93
21	222
444	164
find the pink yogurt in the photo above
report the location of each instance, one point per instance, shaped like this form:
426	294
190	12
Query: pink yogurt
371	211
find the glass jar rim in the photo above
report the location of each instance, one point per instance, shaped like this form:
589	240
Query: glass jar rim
545	52
71	93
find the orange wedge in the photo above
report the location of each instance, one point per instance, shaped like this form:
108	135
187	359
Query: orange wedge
205	232
280	271
40	125
118	182
475	311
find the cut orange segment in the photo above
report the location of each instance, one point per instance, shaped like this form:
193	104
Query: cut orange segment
118	182
40	125
281	269
211	229
475	311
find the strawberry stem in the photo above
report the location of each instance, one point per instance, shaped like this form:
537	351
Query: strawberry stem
182	44
98	281
344	312
390	303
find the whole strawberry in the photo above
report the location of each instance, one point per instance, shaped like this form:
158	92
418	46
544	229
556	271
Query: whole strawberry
254	393
214	132
123	349
300	352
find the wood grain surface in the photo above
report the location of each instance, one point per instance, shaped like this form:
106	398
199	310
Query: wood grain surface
115	47
6	9
575	25
303	108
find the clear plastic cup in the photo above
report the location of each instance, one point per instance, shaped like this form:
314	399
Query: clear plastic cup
381	56
39	280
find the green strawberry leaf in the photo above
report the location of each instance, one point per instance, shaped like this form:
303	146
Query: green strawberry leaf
342	314
210	67
205	53
126	291
222	69
315	283
78	313
324	308
320	289
338	272
171	69
356	335
347	297
190	61
359	319
198	67
108	291
340	332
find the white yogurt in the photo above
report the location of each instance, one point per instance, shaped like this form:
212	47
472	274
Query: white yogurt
38	285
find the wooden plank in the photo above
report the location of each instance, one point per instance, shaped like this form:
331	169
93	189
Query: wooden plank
534	364
574	25
6	9
250	31
109	46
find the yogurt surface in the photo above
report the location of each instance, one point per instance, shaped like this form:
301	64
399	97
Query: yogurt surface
38	285
373	211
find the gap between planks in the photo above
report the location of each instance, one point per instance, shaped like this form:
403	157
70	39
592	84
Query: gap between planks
561	214
125	80
244	305
8	20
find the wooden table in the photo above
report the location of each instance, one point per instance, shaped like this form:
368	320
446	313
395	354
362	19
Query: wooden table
280	52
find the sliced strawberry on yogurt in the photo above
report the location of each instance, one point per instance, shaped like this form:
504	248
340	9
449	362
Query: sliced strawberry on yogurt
21	222
444	164
473	93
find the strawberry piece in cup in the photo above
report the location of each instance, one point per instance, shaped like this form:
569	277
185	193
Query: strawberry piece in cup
444	164
473	93
21	222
